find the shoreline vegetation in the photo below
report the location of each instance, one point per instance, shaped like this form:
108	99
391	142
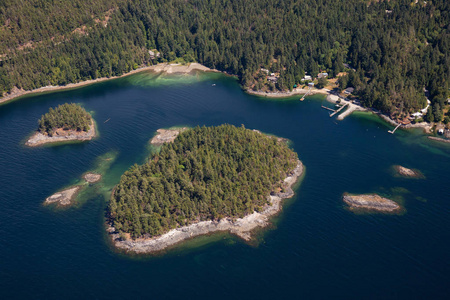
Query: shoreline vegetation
241	227
371	203
169	68
241	224
39	139
161	67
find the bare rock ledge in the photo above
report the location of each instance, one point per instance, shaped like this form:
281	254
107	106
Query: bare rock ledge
371	202
166	136
405	172
64	197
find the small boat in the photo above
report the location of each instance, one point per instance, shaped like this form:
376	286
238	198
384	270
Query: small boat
213	84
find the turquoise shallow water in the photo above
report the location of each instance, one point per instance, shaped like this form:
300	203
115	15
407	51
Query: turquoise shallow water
316	249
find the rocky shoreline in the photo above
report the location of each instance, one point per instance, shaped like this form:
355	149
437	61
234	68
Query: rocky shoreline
166	136
294	92
372	202
39	139
241	227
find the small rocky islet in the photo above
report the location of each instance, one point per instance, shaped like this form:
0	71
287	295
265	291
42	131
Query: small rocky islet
371	203
67	122
401	171
67	196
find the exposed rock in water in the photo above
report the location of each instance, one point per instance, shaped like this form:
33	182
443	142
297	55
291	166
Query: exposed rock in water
92	177
405	172
166	136
371	202
64	197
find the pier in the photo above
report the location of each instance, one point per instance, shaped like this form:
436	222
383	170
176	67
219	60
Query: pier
328	108
393	131
303	98
337	111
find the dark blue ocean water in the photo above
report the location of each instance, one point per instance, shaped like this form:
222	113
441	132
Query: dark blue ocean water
316	249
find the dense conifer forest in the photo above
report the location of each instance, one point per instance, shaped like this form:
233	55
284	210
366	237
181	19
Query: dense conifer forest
206	174
390	50
65	116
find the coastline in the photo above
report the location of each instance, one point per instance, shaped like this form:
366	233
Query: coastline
162	67
39	139
294	92
241	227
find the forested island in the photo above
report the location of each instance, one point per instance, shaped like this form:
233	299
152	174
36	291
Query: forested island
393	54
67	122
207	179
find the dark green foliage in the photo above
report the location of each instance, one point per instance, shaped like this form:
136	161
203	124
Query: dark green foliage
396	47
322	82
65	116
208	173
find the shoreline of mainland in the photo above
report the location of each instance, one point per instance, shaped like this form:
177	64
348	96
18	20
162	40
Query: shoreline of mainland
331	97
162	67
39	139
186	69
241	227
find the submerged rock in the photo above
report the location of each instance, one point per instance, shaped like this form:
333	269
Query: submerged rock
372	202
92	177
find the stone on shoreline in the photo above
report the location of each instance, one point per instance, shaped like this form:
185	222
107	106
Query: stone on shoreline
372	202
64	197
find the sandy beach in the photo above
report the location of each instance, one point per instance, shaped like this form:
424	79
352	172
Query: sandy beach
241	227
164	67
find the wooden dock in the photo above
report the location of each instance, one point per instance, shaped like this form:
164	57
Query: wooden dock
393	131
337	111
303	98
328	108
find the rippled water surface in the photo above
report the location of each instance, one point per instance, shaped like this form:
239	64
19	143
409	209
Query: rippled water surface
316	248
